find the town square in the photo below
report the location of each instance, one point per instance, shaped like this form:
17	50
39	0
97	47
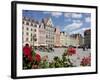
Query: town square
56	39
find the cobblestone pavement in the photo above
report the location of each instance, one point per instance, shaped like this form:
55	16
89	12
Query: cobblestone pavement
76	58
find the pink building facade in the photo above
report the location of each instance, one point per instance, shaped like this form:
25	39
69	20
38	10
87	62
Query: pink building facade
57	38
41	35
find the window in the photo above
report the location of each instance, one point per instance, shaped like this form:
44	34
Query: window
31	29
35	39
22	33
35	25
34	35
31	24
27	28
27	33
31	34
35	30
31	39
26	39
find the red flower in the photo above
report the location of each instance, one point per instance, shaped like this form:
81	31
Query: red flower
71	51
30	58
37	57
27	52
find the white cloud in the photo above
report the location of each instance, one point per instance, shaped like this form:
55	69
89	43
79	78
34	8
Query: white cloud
76	15
72	26
77	21
67	15
87	19
85	28
81	30
56	14
73	15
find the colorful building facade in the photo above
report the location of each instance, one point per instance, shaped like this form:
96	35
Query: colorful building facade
45	34
57	37
63	39
27	31
49	32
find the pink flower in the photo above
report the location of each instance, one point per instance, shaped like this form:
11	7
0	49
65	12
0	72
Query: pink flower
86	61
37	57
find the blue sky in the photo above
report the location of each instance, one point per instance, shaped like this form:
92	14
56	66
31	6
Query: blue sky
67	21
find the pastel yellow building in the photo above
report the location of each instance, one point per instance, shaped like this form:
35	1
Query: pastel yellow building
63	38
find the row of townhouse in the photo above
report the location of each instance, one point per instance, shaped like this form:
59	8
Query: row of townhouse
37	34
73	39
44	33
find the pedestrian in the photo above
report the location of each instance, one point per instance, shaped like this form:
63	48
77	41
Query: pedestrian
83	48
